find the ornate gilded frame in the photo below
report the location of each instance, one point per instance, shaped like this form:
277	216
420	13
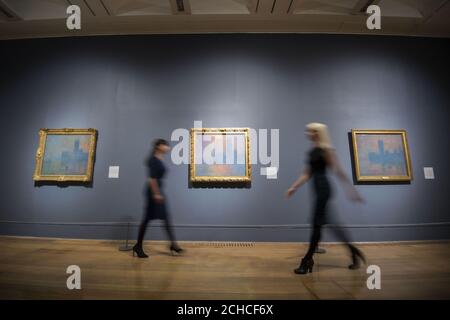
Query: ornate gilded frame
43	133
245	179
360	178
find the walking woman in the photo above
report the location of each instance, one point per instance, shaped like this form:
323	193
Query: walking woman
156	206
320	158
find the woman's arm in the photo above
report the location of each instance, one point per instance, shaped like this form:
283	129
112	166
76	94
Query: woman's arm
304	177
335	166
155	190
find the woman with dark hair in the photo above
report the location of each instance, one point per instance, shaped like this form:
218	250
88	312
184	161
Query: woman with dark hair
156	207
321	158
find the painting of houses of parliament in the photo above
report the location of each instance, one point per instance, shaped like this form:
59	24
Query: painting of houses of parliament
66	155
381	155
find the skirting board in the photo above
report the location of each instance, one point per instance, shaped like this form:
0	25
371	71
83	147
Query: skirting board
257	233
233	243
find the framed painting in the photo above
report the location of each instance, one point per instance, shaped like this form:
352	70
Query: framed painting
381	155
220	155
65	155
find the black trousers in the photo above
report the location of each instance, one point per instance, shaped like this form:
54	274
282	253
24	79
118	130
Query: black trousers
320	218
167	226
316	235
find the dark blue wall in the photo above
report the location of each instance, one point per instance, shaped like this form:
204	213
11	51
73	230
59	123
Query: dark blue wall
136	88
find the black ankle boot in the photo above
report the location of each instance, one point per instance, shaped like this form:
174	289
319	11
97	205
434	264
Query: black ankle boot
137	250
305	266
175	249
357	257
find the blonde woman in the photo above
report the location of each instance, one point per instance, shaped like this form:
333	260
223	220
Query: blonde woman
321	158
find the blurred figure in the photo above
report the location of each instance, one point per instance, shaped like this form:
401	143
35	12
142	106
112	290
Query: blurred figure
156	207
322	157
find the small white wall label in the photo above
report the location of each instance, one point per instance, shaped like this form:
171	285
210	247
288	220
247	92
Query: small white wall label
113	172
428	172
269	172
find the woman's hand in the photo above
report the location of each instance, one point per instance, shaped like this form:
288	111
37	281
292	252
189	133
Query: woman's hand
290	192
355	196
299	182
158	198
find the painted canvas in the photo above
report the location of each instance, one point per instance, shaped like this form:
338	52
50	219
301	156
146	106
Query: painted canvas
381	155
65	155
220	154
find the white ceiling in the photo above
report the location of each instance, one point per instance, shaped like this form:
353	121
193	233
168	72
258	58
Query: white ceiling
46	18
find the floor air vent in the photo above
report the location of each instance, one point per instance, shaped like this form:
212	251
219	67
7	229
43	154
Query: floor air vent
223	244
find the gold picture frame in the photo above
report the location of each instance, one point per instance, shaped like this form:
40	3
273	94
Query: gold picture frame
380	155
197	170
56	162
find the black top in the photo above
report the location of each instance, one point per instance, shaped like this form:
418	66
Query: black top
156	169
317	161
322	187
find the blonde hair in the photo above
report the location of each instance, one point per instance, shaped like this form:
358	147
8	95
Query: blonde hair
322	131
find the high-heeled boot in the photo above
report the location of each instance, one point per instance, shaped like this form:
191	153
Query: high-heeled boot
305	266
139	251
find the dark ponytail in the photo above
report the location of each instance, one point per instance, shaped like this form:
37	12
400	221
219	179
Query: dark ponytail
157	143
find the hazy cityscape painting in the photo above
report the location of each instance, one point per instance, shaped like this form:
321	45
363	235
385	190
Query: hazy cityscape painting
226	155
381	155
66	155
220	155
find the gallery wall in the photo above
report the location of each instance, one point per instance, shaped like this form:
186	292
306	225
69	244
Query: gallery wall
133	89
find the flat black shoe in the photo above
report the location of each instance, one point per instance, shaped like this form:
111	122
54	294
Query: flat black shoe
305	266
175	249
137	250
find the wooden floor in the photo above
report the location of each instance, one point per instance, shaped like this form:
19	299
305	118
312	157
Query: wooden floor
35	268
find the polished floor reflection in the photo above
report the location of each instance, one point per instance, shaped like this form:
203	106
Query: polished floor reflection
35	268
